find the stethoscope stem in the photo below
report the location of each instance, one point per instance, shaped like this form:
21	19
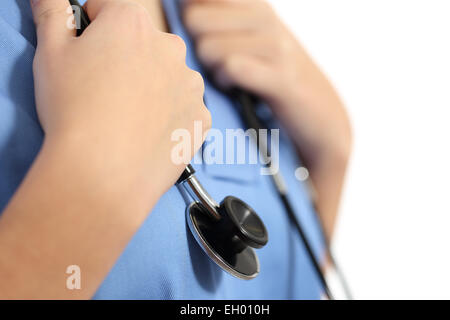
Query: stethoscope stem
84	18
192	185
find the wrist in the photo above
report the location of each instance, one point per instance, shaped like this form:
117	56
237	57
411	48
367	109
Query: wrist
65	212
101	179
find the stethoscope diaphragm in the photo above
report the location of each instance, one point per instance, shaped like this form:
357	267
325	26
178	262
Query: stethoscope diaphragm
228	233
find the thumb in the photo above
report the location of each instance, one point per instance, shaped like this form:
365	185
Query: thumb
53	19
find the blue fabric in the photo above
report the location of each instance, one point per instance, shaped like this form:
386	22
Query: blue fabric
163	261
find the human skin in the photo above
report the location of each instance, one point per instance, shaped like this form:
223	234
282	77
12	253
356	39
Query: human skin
83	149
106	156
244	44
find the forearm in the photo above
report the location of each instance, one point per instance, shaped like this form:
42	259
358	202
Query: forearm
318	123
327	178
106	158
325	149
66	212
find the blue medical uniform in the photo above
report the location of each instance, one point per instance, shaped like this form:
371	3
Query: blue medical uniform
163	261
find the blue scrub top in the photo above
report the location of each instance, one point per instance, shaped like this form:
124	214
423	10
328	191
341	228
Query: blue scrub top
163	261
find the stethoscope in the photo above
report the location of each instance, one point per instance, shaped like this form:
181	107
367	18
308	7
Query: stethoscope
230	231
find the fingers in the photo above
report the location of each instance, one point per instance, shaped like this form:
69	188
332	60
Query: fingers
247	72
239	41
53	21
215	48
206	16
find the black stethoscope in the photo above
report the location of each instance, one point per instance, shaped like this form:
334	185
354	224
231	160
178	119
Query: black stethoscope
230	231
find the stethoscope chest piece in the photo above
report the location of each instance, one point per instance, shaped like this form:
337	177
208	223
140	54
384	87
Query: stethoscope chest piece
230	241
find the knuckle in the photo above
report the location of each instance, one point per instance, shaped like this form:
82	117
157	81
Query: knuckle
276	44
207	119
133	12
178	43
265	11
133	8
139	12
264	6
197	87
197	81
283	46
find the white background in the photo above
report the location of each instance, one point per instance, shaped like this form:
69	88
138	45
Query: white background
390	61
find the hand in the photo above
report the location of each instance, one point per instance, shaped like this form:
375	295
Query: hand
108	102
236	36
115	95
245	44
